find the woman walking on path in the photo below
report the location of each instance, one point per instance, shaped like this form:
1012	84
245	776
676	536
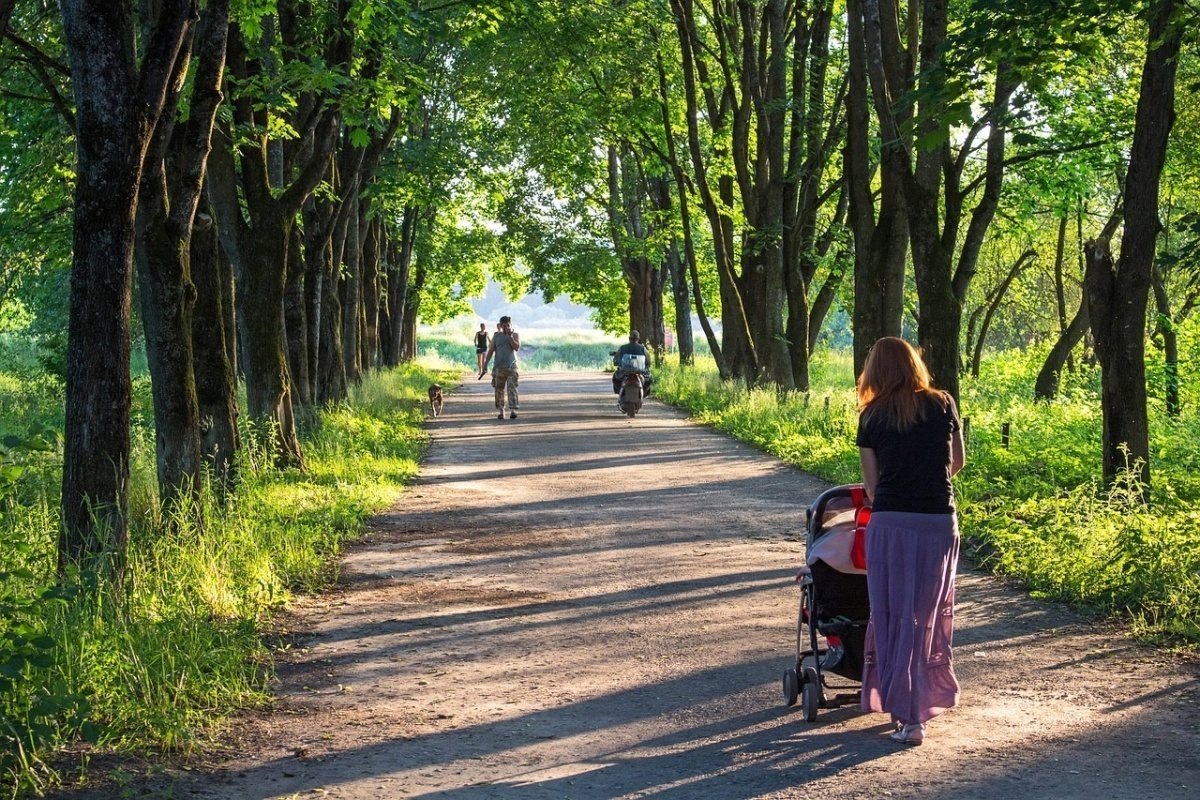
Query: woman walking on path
482	340
910	445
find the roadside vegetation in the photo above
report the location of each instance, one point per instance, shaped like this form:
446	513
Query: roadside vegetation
1035	509
162	664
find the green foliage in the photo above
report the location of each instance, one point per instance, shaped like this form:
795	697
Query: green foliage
160	666
1034	510
36	704
37	156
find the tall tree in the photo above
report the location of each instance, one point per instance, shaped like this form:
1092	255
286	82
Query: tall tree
170	193
880	236
934	182
257	240
1117	294
119	99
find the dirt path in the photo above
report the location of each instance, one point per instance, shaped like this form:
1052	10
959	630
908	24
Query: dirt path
573	605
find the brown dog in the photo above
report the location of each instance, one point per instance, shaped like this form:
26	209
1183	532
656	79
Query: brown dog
435	399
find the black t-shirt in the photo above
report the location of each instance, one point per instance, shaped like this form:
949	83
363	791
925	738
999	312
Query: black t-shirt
914	466
481	341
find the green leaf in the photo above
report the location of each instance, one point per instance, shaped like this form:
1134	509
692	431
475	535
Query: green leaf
90	731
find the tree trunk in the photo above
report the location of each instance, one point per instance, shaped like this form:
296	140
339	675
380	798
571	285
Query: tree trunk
350	291
229	310
261	325
673	270
318	233
763	275
629	233
797	330
685	219
683	307
412	308
880	244
1166	328
738	349
295	319
1117	299
118	103
370	261
331	383
398	284
408	339
216	382
167	297
993	304
168	199
332	379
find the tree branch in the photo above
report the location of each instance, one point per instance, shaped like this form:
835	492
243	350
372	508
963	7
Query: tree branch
6	9
175	18
36	53
1034	154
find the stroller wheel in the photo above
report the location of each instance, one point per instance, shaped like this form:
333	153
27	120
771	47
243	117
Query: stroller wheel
791	687
812	695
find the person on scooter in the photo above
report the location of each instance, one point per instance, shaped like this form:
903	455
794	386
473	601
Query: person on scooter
633	347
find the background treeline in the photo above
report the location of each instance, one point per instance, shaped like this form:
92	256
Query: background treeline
291	185
263	195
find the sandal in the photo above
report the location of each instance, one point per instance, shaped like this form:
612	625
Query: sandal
909	734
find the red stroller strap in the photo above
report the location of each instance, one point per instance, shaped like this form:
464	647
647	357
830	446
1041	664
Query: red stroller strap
862	515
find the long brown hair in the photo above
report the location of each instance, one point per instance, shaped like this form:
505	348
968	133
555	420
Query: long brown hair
892	383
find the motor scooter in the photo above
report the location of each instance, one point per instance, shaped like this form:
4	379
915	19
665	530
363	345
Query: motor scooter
632	380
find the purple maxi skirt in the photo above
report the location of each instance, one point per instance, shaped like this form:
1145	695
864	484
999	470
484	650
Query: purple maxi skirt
911	563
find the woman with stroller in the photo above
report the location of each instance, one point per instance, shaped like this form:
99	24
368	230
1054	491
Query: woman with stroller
910	445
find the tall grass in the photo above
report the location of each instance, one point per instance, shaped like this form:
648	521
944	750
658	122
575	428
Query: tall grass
158	667
1036	509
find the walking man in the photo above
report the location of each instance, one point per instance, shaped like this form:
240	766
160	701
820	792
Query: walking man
505	344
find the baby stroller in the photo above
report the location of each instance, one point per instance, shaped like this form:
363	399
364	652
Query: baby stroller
833	602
